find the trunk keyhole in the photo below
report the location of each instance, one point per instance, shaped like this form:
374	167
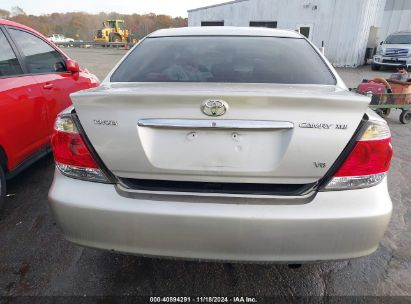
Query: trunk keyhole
191	136
235	136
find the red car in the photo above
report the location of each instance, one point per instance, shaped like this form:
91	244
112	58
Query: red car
36	79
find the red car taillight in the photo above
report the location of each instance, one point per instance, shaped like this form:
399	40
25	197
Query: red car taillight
367	157
69	149
71	154
368	162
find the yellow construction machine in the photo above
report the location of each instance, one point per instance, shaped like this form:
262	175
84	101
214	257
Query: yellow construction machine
114	31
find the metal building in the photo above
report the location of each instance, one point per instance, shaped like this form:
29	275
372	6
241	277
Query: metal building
345	27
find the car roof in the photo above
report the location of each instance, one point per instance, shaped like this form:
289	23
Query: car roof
21	26
225	31
15	24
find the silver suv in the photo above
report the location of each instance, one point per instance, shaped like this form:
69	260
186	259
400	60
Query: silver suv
395	51
223	144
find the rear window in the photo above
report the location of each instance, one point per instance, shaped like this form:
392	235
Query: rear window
224	59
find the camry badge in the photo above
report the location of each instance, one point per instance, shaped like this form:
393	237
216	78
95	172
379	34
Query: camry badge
101	122
214	107
323	126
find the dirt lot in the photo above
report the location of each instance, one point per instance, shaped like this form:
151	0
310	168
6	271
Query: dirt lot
36	260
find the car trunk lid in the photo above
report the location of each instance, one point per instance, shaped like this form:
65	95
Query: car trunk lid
270	134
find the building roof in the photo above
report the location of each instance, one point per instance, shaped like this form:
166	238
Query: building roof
215	5
225	31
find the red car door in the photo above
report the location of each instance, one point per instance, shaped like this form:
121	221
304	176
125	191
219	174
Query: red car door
23	113
47	65
56	90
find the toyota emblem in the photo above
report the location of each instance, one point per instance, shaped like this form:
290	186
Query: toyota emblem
214	107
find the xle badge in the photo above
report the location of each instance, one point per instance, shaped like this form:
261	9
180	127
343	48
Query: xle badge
320	165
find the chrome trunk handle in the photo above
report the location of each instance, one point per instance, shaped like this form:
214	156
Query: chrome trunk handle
215	124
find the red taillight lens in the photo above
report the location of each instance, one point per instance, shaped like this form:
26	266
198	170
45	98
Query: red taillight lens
70	149
71	154
367	157
368	162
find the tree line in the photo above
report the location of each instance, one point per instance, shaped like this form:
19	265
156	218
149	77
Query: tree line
83	26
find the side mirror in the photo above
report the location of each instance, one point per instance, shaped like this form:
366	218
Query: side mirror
381	42
72	66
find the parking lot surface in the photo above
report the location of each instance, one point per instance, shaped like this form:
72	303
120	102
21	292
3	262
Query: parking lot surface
36	260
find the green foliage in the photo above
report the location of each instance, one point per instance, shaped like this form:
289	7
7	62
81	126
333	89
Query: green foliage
83	26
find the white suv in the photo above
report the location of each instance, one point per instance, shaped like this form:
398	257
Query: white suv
57	38
223	144
394	51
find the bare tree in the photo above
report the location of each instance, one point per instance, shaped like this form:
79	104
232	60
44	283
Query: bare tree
17	11
4	14
80	25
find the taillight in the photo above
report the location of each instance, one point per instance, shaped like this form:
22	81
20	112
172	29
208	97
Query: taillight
71	154
368	162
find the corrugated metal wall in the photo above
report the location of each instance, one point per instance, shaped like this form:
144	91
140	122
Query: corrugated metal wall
397	17
343	25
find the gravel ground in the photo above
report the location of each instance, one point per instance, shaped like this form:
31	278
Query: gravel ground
36	260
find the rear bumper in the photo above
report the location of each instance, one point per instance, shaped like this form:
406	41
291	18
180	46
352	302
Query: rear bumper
334	225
